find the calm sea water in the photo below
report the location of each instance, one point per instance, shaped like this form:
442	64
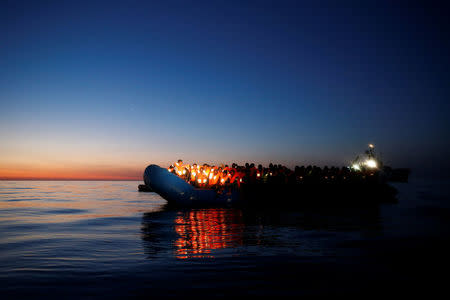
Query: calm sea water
77	239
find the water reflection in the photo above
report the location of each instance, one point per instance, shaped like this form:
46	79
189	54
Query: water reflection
213	232
201	231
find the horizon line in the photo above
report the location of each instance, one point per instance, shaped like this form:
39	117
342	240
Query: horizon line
66	179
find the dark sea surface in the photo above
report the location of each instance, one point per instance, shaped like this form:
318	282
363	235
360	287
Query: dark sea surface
99	239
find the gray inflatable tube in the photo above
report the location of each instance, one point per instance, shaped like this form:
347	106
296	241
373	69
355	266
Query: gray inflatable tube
177	191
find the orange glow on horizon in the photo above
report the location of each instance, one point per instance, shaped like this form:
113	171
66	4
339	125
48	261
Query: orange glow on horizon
70	173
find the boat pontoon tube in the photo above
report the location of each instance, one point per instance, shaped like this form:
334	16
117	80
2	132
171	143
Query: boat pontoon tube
177	191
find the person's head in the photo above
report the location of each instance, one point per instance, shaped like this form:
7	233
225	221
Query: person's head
179	162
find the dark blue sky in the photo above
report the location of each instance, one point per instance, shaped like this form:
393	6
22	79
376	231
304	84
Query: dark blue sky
98	84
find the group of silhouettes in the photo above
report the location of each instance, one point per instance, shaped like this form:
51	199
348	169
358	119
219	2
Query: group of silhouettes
222	176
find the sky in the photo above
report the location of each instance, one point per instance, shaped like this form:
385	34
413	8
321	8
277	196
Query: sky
101	89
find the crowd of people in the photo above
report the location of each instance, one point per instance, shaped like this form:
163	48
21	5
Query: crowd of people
218	177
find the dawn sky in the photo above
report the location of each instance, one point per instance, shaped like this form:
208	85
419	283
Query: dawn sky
101	89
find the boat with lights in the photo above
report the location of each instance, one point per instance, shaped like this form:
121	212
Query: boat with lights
347	192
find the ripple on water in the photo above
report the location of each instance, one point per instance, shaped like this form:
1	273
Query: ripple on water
90	229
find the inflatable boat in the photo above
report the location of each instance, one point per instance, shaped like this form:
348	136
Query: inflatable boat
178	192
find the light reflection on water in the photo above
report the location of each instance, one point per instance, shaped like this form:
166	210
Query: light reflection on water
49	230
51	219
201	231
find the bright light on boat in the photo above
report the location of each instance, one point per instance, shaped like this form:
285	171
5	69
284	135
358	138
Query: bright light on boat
356	167
371	163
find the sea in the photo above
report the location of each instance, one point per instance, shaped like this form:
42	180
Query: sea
104	239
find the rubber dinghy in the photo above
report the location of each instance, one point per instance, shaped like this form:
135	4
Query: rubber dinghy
178	192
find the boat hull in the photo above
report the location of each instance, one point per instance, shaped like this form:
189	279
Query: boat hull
178	192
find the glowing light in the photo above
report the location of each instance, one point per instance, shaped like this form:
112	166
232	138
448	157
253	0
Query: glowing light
204	180
193	174
371	163
184	171
199	180
222	180
258	175
356	167
371	145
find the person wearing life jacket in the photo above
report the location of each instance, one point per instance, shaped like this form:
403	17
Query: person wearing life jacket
193	175
233	178
224	178
213	178
179	167
202	179
238	177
